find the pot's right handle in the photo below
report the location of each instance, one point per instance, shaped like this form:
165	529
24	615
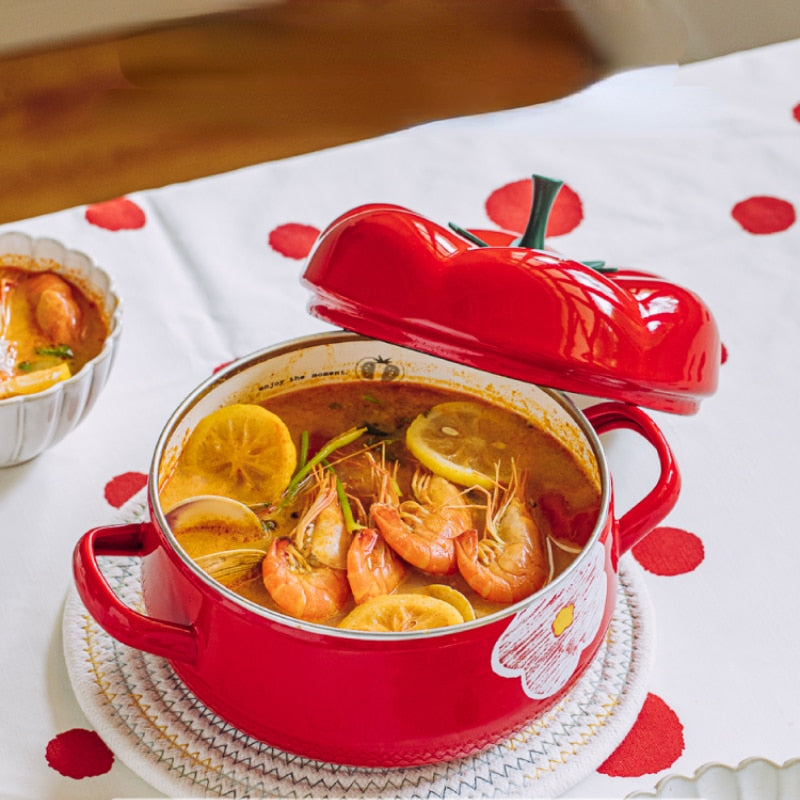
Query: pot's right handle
636	523
159	637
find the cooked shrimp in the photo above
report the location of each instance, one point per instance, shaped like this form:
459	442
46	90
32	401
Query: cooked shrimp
305	573
423	530
54	307
509	561
322	530
373	568
311	593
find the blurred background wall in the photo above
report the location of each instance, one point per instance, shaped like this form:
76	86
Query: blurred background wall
28	24
626	32
630	33
99	98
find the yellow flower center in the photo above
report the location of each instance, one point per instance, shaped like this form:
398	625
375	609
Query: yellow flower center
563	619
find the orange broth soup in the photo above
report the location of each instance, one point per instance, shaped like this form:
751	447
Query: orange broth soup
47	325
561	499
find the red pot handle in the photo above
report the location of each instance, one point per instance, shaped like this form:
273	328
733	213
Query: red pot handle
159	637
636	523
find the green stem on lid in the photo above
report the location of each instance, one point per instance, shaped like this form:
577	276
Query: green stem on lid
545	191
598	266
468	235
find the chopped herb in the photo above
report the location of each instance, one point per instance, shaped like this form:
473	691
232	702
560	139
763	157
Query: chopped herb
57	350
342	440
347	510
374	430
303	457
26	366
334	406
369	398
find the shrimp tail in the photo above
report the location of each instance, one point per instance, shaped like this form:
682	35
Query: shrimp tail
501	571
373	568
55	309
314	594
435	555
480	578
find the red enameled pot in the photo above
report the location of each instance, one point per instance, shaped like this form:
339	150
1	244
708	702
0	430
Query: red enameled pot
374	699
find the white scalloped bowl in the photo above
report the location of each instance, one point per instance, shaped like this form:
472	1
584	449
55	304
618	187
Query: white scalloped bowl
30	424
752	779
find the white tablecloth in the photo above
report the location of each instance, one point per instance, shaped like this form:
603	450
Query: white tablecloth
659	159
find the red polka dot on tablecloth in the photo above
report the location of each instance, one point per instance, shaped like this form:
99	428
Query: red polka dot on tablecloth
222	366
78	753
655	742
121	488
796	112
763	214
669	551
510	206
293	240
116	215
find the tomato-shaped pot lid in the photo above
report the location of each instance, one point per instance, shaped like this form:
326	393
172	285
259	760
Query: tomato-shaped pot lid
512	308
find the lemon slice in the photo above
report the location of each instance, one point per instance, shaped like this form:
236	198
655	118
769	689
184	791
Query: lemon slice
401	613
459	601
31	382
467	443
241	451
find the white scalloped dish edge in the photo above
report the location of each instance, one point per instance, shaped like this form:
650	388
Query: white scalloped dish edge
752	779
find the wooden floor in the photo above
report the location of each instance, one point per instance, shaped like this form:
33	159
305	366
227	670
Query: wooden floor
97	119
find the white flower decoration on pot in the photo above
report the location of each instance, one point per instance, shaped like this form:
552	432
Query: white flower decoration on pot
544	642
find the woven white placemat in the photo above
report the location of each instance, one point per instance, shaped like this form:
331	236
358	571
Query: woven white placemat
164	734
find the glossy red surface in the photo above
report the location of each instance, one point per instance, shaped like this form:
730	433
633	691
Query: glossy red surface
351	698
387	272
345	700
639	520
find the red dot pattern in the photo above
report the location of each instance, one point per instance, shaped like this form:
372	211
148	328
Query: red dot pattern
121	488
293	240
78	753
116	215
669	551
655	742
221	366
509	207
763	214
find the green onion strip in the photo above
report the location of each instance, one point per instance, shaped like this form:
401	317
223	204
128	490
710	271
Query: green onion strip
342	440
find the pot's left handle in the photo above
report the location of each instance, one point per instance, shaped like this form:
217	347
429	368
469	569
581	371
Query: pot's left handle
636	523
159	637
